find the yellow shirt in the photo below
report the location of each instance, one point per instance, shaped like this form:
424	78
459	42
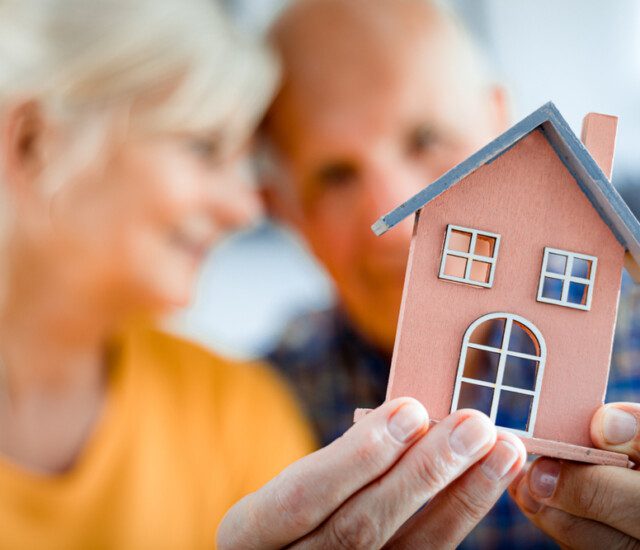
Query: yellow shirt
183	436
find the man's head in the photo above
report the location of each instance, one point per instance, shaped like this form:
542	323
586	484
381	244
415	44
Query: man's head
379	99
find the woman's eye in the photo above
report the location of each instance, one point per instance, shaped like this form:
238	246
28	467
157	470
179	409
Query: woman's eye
206	148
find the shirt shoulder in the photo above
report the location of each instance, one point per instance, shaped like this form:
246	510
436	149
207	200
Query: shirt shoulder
240	410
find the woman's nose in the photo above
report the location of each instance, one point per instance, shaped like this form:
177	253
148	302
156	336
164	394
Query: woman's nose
234	202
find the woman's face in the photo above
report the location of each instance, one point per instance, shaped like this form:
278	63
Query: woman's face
134	228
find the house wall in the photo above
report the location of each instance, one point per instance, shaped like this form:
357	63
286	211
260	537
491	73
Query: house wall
530	199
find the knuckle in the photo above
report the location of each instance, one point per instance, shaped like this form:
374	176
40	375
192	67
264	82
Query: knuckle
292	505
369	453
354	532
434	471
469	505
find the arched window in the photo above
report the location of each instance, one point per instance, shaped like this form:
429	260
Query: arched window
500	371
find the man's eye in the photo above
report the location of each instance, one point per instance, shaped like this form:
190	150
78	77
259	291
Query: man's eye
422	140
336	174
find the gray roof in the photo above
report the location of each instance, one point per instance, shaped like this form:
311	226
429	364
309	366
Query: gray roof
588	175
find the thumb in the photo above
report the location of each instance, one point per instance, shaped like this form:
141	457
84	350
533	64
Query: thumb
616	427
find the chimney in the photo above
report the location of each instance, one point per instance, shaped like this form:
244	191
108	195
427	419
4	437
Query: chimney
599	137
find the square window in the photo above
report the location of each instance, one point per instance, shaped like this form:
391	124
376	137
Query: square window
460	241
577	293
567	278
455	266
581	268
485	246
473	396
469	256
480	271
552	289
557	263
514	410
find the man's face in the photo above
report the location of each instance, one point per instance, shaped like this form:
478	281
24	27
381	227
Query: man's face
358	146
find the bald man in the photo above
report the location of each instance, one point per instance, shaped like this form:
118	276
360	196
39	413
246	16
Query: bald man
379	99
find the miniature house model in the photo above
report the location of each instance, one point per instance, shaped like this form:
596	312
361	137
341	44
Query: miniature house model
513	282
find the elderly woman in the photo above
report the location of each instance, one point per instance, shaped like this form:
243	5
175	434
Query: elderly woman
122	129
122	125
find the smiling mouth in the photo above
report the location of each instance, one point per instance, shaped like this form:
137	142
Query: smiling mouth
194	239
195	249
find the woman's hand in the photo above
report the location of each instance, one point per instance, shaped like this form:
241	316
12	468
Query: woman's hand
586	506
360	491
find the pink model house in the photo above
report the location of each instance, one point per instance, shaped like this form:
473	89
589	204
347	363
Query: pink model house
513	282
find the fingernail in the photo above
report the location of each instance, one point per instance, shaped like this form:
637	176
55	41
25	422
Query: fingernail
500	460
471	435
618	426
406	421
544	477
525	499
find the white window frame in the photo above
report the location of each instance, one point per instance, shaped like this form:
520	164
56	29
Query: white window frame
504	353
469	256
567	278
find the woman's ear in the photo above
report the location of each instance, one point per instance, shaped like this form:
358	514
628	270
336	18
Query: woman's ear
22	146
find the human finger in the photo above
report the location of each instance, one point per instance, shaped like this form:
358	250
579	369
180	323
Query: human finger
616	427
607	494
451	515
373	515
303	495
570	531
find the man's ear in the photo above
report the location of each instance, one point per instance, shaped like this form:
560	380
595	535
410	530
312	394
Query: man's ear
21	145
501	107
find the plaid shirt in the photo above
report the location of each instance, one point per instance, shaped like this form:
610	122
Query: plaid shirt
334	371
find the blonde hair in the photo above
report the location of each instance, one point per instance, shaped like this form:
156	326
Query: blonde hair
75	55
86	62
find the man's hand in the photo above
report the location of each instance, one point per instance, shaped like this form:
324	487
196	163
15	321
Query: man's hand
359	491
586	506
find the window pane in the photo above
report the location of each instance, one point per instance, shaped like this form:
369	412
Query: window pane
460	241
520	373
552	288
522	340
556	263
480	271
489	333
477	397
481	365
455	266
514	410
485	246
581	268
577	293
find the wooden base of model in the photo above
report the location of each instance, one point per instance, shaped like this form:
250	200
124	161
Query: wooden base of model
557	449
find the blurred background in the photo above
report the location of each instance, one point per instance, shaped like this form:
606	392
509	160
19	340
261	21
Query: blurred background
584	55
